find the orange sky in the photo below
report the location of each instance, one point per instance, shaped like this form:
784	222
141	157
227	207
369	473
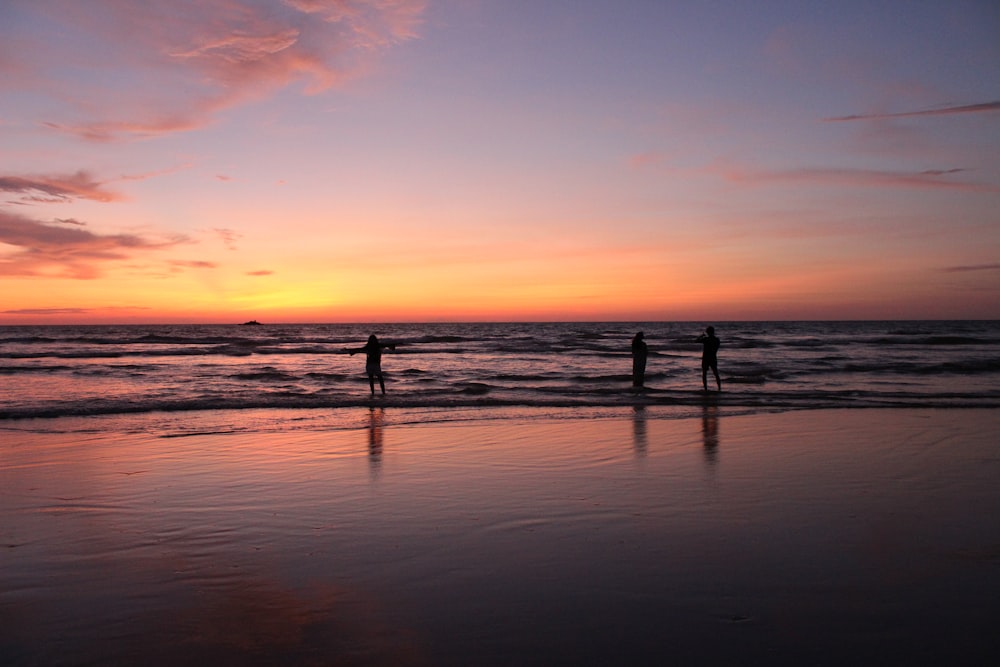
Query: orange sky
321	160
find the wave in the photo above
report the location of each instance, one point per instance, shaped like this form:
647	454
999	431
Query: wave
426	340
473	388
168	346
959	367
931	341
266	375
17	370
226	350
477	395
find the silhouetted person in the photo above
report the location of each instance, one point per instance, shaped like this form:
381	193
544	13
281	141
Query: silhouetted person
639	354
373	363
709	357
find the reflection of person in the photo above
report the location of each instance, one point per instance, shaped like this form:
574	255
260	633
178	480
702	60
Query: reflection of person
376	419
710	432
639	354
373	363
709	357
640	439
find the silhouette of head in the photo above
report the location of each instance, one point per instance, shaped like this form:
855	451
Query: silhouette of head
372	339
710	331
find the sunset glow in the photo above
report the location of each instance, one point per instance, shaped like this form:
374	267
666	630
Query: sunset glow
424	160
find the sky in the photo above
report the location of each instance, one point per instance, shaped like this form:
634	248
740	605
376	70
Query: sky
168	161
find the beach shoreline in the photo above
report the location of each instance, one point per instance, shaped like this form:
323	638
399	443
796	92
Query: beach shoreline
535	537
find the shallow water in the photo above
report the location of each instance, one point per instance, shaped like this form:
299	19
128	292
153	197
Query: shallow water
50	371
816	536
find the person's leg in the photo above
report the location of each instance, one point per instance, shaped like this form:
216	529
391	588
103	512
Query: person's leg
381	383
704	377
371	383
718	381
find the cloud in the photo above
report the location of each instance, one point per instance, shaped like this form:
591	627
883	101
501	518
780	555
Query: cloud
263	272
228	236
143	69
46	249
71	311
106	131
193	264
925	179
47	311
58	188
984	107
971	268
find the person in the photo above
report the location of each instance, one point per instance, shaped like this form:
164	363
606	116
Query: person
639	354
709	357
373	362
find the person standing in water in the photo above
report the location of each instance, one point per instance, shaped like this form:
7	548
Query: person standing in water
639	353
373	362
709	357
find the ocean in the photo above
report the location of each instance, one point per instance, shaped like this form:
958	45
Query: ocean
441	370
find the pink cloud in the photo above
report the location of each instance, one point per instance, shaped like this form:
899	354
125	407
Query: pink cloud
58	188
193	264
153	68
984	107
228	236
107	131
972	268
380	22
263	272
43	248
926	179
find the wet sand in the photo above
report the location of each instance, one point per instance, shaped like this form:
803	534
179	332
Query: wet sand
814	537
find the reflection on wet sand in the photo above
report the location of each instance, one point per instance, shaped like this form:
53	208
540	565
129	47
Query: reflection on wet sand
376	422
499	542
262	624
710	433
640	439
248	621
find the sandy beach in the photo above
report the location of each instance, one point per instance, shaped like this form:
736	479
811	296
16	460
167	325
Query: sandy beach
809	537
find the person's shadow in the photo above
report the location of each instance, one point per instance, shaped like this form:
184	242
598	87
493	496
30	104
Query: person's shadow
710	433
376	420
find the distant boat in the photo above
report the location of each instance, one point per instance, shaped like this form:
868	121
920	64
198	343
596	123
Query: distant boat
251	323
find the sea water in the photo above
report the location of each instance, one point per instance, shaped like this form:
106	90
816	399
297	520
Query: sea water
447	368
